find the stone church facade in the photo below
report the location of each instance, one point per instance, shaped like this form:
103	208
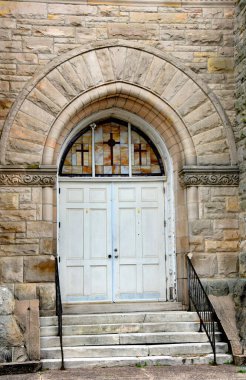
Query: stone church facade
175	70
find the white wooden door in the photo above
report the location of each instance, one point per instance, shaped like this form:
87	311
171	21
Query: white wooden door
85	242
139	257
112	241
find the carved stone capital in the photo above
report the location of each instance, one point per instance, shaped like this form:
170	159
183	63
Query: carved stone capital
209	176
27	177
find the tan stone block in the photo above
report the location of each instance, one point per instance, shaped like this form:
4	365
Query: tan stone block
205	265
19	249
201	227
228	264
46	293
231	235
23	9
29	121
54	31
210	246
7	238
232	204
39	229
38	44
72	9
25	291
196	244
9	201
203	37
221	246
32	109
12	227
11	269
226	224
133	31
214	159
22	58
166	18
220	64
18	215
39	269
46	246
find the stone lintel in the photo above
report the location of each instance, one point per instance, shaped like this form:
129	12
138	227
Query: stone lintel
209	176
21	176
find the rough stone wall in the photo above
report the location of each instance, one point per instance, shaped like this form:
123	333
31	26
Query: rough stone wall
215	235
26	245
240	76
33	33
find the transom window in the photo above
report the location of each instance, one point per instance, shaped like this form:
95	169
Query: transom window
111	147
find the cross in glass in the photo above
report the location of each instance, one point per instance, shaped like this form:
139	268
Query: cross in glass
137	149
111	142
82	150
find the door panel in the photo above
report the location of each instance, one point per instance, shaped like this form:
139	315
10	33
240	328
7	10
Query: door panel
85	242
123	220
139	240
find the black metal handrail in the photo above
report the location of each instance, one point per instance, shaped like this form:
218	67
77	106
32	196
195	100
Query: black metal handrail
202	305
59	310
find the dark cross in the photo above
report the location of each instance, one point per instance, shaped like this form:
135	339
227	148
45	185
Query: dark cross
111	142
82	150
139	151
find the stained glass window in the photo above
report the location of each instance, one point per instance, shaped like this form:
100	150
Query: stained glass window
102	149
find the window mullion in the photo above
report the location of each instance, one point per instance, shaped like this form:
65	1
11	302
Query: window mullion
93	126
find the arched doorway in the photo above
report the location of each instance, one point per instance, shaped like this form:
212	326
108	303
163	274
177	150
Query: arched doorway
112	235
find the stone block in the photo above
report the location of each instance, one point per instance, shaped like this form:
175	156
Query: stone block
232	204
17	215
46	293
220	64
201	227
38	44
39	229
39	269
23	9
11	269
218	287
228	264
10	333
221	246
12	227
205	265
9	201
6	301
204	37
19	354
27	313
133	31
54	31
72	9
46	246
231	235
226	224
19	249
25	291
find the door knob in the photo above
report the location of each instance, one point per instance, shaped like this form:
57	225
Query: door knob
116	250
116	257
109	256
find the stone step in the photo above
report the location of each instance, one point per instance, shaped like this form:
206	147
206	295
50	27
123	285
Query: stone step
124	339
120	307
139	361
132	350
119	328
112	318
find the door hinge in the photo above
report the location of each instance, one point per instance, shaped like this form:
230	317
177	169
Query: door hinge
165	223
59	224
59	190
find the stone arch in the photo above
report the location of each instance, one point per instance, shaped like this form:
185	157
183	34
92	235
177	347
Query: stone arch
84	75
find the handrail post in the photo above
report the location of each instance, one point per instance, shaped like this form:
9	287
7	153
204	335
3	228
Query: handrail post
59	311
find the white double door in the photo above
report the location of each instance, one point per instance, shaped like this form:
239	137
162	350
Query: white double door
111	241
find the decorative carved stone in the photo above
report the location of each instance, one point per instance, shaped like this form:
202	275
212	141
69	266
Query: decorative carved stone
209	176
25	177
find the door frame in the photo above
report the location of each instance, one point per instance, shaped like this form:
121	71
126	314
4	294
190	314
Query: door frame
170	259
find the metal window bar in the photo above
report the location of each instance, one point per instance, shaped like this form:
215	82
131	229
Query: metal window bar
199	299
59	310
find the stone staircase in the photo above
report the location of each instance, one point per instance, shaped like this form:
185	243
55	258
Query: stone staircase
134	337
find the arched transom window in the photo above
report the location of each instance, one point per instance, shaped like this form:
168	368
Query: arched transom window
111	147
